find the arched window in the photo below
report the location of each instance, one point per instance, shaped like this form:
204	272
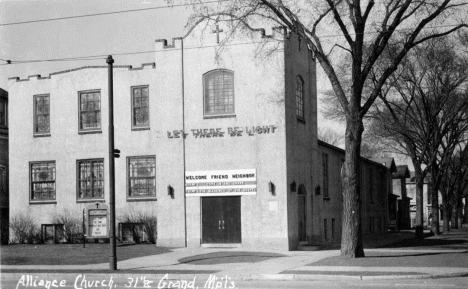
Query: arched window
299	97
218	92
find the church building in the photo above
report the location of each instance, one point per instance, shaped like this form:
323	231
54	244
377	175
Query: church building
218	140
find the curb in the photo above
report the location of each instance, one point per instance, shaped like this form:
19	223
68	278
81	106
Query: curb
247	277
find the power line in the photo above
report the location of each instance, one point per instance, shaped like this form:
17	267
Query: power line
108	13
103	56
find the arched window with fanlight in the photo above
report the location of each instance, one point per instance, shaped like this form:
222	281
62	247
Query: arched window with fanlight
218	90
299	97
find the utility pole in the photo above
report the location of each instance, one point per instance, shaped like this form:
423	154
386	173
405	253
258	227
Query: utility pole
113	256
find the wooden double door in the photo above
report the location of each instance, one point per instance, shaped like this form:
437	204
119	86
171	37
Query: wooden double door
221	220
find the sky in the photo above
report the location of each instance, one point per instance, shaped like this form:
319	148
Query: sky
87	36
102	35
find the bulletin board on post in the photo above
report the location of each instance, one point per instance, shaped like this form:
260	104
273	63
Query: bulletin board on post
97	221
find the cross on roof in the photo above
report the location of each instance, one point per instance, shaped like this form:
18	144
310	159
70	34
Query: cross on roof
217	30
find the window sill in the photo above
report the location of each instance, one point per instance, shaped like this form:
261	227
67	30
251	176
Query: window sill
301	120
219	116
140	128
142	199
42	135
326	198
47	202
91	201
89	131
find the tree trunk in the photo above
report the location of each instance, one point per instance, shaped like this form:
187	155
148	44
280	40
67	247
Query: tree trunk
455	207
351	237
445	213
460	213
435	210
419	180
465	211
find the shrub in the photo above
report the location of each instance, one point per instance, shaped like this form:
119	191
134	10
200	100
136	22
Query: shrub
139	223
24	229
149	226
72	226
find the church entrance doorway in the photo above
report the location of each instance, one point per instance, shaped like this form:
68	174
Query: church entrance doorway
301	210
221	220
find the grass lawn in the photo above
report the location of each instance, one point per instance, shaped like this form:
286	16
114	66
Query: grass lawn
399	259
72	254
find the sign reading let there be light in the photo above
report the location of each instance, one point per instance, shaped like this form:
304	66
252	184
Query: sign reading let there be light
221	183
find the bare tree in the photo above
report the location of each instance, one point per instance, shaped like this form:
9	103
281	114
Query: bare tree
363	30
330	136
427	119
454	183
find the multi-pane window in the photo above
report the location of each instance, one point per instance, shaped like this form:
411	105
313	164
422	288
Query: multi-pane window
325	174
325	229
3	113
140	106
333	229
299	97
91	179
219	92
383	186
141	177
42	181
90	110
41	114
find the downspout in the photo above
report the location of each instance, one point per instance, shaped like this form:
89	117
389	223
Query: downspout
183	136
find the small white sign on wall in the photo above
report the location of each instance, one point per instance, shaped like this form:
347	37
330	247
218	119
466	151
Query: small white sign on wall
221	183
273	205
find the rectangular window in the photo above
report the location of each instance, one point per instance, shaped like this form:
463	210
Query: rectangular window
333	229
142	177
90	110
3	184
90	179
325	232
42	114
3	113
299	97
140	107
42	181
383	186
52	233
325	175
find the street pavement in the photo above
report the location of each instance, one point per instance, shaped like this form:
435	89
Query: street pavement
204	263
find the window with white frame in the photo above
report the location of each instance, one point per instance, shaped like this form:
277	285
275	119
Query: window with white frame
42	114
141	177
3	113
325	174
218	92
90	179
140	107
299	97
90	110
42	181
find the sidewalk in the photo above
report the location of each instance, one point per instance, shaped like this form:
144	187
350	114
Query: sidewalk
394	255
